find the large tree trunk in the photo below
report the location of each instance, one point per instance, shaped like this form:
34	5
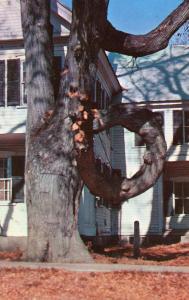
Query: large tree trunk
53	185
59	137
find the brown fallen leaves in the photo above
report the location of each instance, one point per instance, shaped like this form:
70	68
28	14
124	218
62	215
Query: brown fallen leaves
18	284
169	255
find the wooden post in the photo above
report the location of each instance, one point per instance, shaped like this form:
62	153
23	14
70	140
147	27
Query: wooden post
136	242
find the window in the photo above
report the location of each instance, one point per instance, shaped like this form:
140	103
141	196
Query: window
3	167
180	127
139	142
57	61
181	197
11	79
98	94
5	189
2	82
5	183
13	82
107	101
18	166
12	179
24	83
101	97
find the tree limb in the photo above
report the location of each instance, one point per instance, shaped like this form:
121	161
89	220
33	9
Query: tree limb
114	187
141	45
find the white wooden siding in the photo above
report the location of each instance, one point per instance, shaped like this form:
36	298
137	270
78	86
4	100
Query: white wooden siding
162	76
10	20
96	219
145	208
13	219
13	120
87	214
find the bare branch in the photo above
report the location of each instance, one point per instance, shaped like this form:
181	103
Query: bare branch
114	187
155	40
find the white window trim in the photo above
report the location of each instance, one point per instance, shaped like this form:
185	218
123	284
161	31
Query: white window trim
173	197
22	84
9	178
7	190
21	104
183	126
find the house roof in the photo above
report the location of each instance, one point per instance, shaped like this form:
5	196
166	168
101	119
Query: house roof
163	76
10	19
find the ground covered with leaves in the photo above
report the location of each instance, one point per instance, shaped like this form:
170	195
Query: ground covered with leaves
47	284
18	284
169	255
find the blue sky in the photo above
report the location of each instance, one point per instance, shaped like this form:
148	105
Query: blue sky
137	16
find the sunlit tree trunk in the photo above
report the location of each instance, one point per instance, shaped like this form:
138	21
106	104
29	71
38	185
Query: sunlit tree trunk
59	137
53	185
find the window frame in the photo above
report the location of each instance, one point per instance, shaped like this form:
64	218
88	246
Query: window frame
6	190
183	128
57	66
181	198
9	180
21	102
102	98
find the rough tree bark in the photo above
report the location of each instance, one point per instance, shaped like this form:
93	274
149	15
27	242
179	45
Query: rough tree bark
53	185
155	40
59	139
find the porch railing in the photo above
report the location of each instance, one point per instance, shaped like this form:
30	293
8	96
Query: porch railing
6	189
12	189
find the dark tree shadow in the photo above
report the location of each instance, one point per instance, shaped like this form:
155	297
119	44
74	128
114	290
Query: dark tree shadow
5	225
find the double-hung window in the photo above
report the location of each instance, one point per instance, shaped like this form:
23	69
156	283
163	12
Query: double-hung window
181	198
180	127
5	182
12	91
12	179
101	97
57	65
13	77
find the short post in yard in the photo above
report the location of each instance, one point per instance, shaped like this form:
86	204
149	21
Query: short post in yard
136	242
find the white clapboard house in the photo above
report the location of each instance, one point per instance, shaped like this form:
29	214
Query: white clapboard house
159	82
94	217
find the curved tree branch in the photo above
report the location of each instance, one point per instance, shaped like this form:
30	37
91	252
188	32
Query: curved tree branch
155	40
113	187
